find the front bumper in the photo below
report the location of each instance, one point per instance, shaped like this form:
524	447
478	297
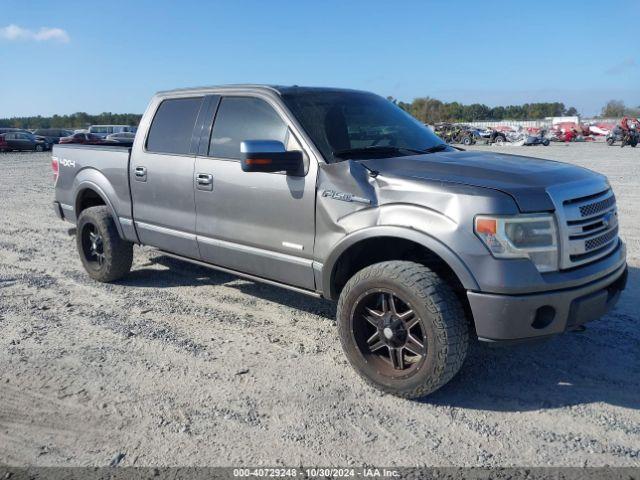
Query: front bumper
519	317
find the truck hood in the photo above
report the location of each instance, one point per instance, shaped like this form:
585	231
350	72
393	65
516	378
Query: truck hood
525	179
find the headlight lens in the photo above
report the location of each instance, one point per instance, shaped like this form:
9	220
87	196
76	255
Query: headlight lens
522	236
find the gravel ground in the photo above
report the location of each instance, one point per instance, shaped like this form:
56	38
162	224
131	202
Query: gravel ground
179	365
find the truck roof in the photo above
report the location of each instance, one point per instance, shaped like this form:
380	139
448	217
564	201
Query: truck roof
278	89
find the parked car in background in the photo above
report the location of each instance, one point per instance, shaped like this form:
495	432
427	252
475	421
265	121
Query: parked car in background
11	130
46	142
456	133
52	135
121	137
104	130
491	136
539	138
83	138
21	140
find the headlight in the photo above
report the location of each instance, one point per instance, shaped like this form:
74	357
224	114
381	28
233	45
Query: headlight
522	236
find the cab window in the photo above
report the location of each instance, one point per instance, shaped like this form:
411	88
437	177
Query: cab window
172	126
244	118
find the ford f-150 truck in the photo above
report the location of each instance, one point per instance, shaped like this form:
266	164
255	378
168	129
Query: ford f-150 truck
340	194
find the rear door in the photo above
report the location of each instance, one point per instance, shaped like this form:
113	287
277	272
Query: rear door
24	142
257	223
162	181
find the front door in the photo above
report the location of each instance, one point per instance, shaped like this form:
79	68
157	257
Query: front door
257	223
161	179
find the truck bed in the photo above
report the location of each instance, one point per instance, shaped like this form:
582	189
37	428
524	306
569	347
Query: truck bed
103	167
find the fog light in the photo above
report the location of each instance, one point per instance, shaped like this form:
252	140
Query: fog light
544	317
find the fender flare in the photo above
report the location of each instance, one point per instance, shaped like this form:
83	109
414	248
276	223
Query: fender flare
86	180
445	253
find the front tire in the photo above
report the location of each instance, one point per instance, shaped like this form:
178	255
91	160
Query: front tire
402	328
39	148
105	256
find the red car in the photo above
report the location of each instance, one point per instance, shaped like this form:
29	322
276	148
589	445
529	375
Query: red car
84	138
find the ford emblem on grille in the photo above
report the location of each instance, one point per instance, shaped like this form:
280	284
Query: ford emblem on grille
609	219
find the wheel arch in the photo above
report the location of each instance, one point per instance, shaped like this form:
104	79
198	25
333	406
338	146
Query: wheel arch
404	242
88	193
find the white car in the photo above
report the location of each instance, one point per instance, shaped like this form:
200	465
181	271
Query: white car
121	137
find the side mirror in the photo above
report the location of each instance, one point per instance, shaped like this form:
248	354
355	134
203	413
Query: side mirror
270	156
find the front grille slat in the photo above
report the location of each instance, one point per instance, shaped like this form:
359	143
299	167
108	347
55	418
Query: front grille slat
601	240
597	207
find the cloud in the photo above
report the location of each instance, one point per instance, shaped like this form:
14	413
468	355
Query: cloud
622	67
15	33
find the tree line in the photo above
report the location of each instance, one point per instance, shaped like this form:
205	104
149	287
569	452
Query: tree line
75	120
426	109
431	110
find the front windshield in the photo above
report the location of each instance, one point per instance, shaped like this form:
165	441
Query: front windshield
359	125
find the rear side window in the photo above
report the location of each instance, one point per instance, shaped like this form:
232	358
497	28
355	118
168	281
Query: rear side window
244	118
172	126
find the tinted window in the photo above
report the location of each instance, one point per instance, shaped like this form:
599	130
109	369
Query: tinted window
172	126
339	121
243	118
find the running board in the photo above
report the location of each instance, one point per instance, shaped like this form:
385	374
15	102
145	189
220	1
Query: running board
246	276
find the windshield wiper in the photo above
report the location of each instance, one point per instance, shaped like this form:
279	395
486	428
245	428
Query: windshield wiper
374	149
382	149
436	148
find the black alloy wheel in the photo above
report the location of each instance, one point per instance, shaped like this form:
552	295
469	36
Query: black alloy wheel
388	333
92	246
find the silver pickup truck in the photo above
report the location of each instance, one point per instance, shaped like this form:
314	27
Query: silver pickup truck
340	194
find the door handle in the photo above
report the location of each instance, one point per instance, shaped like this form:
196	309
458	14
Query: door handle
141	174
141	171
204	179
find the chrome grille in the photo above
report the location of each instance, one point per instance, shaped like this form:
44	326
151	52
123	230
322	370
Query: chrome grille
587	221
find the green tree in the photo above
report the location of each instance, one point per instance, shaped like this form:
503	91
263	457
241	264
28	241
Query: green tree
613	108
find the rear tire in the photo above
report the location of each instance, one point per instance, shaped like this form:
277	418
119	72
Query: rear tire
421	341
105	256
39	148
610	141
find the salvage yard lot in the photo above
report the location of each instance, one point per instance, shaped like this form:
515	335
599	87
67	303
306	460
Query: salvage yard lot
180	365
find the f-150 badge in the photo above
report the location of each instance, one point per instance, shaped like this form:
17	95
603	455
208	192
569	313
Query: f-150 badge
345	197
